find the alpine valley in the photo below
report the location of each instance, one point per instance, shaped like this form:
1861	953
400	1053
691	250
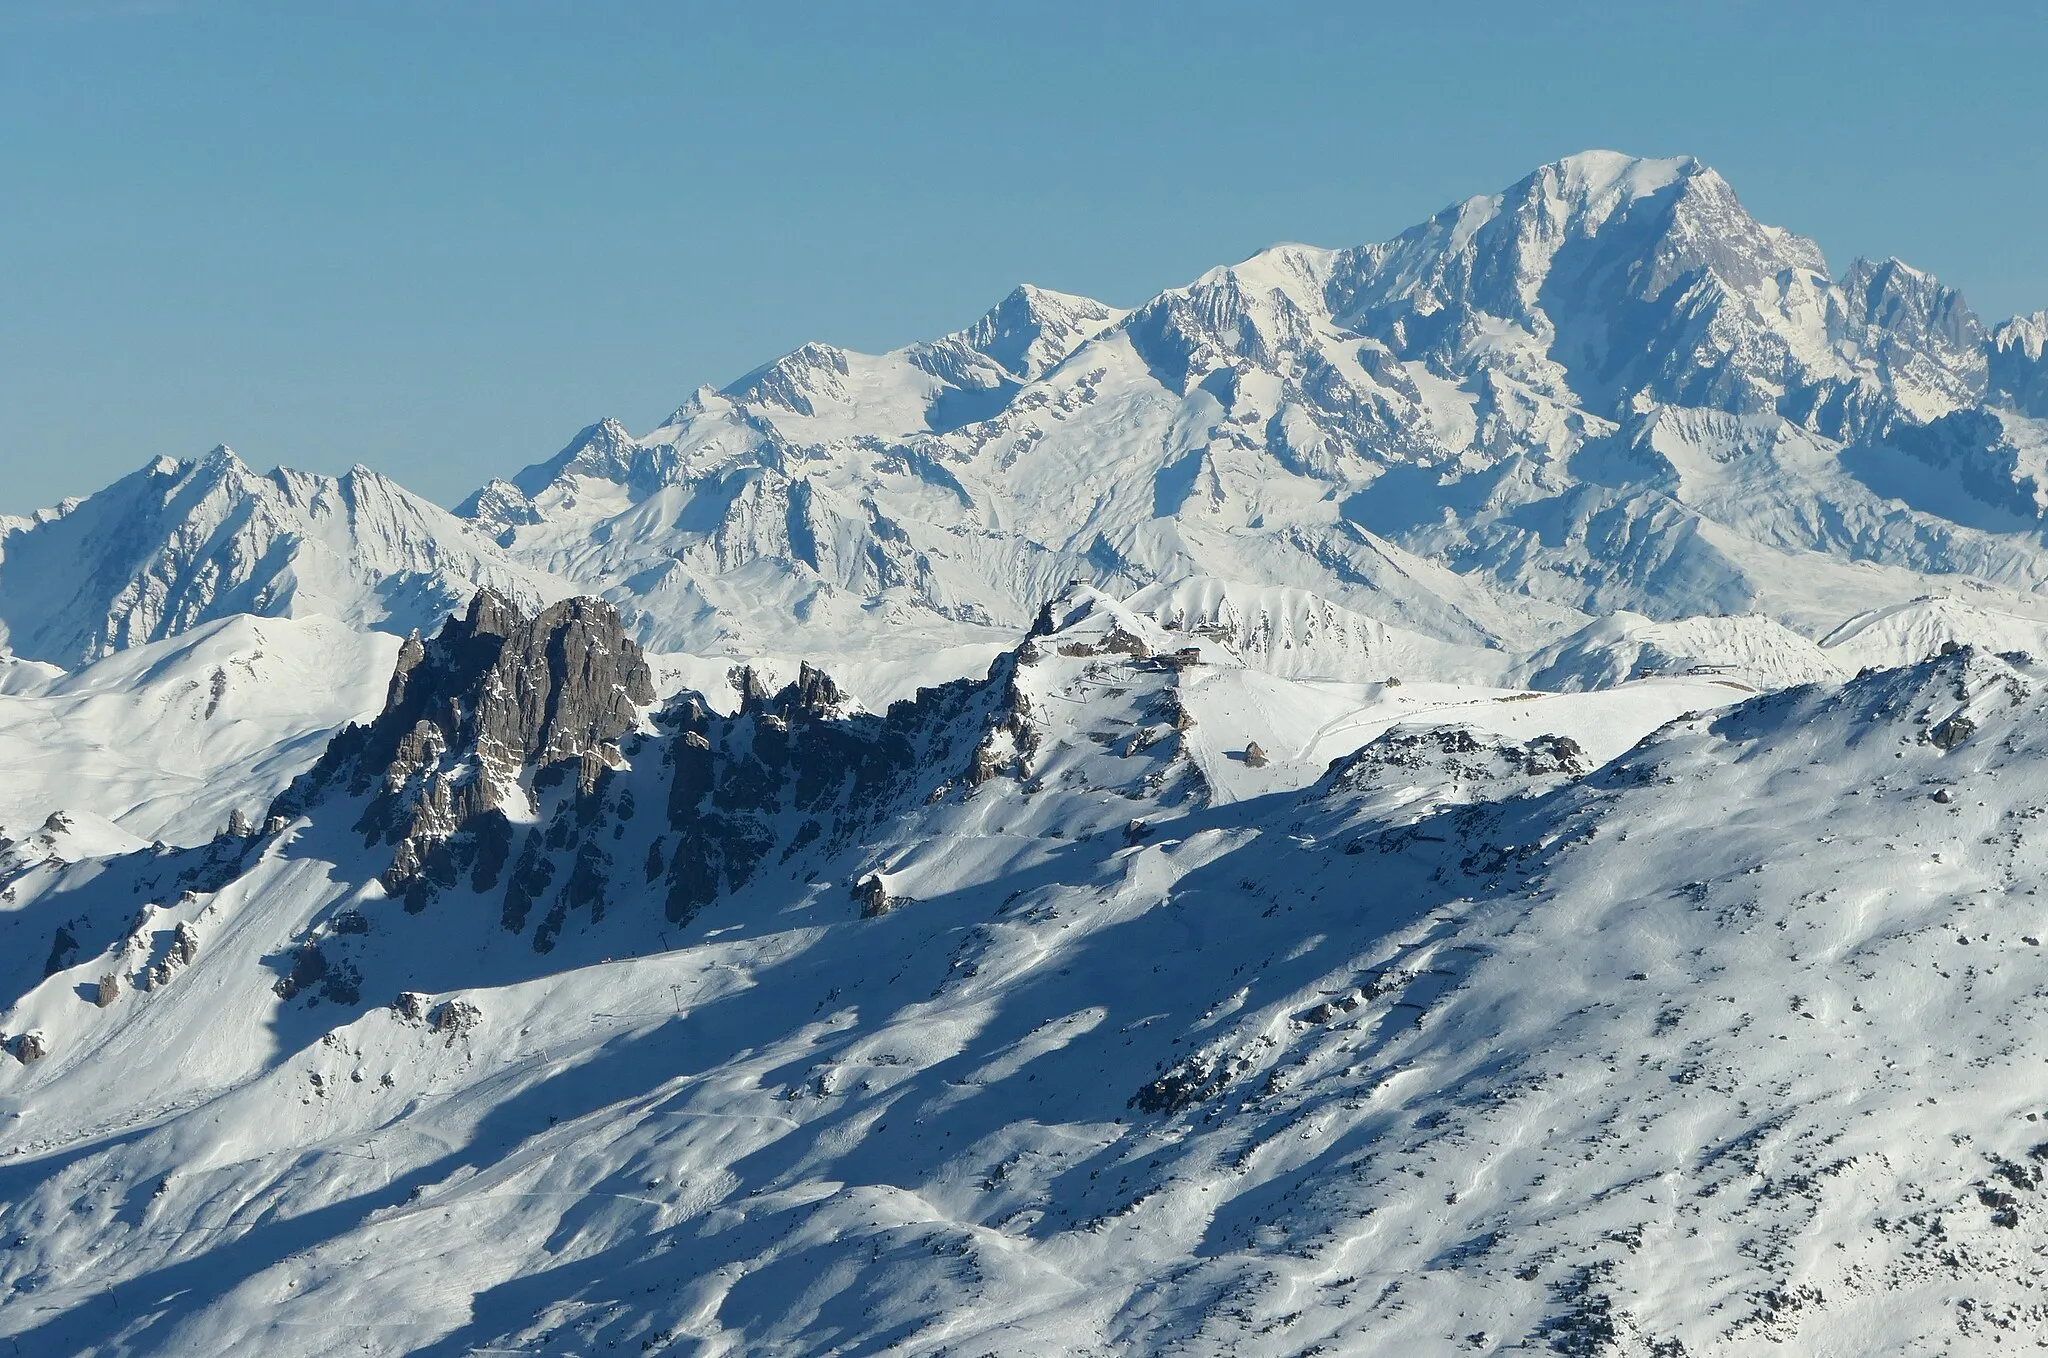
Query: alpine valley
1467	794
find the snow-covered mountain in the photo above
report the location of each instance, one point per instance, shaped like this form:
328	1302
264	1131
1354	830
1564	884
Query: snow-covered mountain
1459	795
169	739
1607	387
181	544
2017	368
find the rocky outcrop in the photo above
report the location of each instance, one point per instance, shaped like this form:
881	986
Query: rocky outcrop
455	1018
512	760
873	894
797	758
314	974
1456	764
495	707
1011	741
451	1019
1952	732
183	947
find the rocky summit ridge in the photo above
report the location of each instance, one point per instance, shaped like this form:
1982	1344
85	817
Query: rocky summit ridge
475	724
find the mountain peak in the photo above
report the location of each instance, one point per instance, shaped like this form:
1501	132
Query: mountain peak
1033	329
597	449
471	716
182	542
1502	333
2017	359
1597	173
2026	335
811	370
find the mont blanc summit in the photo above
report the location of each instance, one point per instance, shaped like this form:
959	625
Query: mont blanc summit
1470	793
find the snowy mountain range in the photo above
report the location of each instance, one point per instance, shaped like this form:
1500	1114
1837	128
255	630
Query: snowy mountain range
1463	794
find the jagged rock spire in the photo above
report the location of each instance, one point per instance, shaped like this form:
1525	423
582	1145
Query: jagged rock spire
494	695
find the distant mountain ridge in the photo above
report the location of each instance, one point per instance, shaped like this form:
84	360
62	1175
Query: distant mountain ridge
1605	388
180	544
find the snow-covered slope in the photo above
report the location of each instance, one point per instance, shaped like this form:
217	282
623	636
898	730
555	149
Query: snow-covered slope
168	739
179	544
1297	635
1038	1043
1911	631
1756	651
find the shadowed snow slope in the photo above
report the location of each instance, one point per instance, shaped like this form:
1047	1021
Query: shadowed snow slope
1025	1036
169	738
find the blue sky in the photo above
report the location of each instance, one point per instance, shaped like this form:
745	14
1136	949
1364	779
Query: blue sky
438	238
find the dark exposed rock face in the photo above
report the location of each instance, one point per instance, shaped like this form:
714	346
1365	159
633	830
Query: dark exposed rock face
314	973
1952	732
797	757
455	1018
467	714
1006	749
873	895
63	951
